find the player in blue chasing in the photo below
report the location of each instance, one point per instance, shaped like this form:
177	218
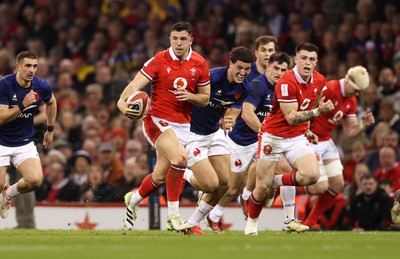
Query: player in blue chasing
207	149
20	96
266	45
243	143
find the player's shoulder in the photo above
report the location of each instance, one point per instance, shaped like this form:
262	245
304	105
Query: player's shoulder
288	76
318	78
162	55
218	73
37	82
8	79
197	58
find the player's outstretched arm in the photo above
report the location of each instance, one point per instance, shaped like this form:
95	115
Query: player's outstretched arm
136	84
51	114
9	114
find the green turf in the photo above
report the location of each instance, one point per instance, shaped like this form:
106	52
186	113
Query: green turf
32	244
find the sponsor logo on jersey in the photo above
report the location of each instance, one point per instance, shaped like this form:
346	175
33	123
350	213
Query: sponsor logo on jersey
180	82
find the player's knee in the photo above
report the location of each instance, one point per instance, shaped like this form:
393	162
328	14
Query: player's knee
210	186
179	160
233	190
312	177
337	187
34	181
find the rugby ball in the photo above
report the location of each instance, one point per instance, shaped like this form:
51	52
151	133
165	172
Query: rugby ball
139	101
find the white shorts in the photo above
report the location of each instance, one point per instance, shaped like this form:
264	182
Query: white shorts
153	127
200	147
17	155
271	147
241	156
326	150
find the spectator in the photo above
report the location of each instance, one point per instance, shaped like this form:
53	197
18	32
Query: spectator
133	149
353	189
131	179
112	166
81	161
389	166
390	138
369	210
57	187
97	189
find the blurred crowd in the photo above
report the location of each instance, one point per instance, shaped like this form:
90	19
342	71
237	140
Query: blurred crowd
90	49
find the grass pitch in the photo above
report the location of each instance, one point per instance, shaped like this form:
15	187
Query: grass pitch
119	244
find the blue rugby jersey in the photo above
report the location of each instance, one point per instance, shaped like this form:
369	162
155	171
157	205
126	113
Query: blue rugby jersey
205	120
260	95
20	131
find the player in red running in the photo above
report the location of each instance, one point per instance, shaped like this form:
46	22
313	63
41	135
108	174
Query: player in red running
286	129
180	78
343	94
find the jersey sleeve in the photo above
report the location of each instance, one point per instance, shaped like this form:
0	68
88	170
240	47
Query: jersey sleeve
150	68
47	92
353	107
256	92
286	90
204	75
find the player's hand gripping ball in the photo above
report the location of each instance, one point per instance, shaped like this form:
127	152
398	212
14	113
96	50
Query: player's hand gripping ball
139	101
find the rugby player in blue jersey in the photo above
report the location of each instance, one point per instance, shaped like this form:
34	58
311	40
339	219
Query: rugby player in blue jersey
207	149
265	46
21	94
243	141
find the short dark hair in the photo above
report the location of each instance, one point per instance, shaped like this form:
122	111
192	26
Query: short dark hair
26	54
280	57
308	47
265	39
367	177
181	26
241	53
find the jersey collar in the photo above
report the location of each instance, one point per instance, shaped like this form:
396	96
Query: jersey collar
174	57
298	77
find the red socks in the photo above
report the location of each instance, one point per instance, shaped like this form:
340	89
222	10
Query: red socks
174	182
255	207
290	178
322	204
147	187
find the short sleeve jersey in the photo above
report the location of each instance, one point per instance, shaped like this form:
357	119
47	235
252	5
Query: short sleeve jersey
324	125
291	88
167	73
205	120
20	131
260	95
253	73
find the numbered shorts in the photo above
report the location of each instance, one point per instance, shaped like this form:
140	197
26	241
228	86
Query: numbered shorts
327	150
241	156
17	155
271	147
200	147
153	127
